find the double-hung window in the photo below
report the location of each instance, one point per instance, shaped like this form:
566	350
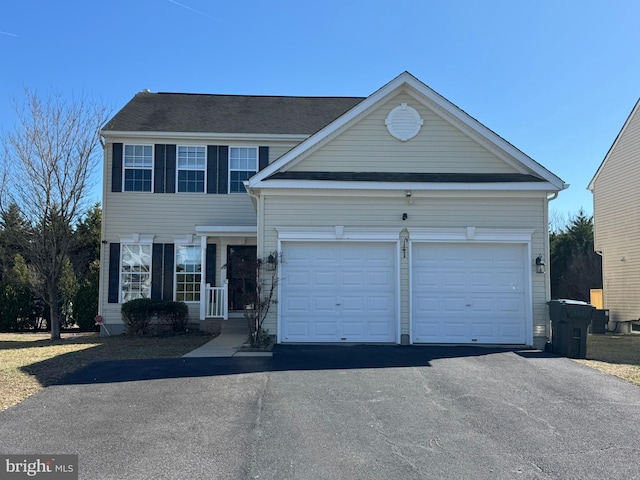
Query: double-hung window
138	168
188	270
135	271
243	163
192	166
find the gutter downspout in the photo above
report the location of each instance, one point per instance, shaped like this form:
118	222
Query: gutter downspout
547	275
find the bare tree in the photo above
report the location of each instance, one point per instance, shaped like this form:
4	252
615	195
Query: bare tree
258	297
51	156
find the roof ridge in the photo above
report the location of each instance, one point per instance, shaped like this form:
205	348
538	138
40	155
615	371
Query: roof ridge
251	96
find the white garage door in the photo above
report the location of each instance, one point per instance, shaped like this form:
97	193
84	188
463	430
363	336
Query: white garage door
469	293
338	292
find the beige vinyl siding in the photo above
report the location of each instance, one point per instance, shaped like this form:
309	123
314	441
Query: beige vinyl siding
616	194
491	210
171	215
367	146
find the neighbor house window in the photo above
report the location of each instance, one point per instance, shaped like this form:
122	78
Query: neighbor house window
135	271
188	273
192	165
243	163
138	167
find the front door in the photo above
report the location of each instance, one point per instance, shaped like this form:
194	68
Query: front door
241	273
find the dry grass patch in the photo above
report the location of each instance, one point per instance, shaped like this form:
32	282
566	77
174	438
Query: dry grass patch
617	355
29	362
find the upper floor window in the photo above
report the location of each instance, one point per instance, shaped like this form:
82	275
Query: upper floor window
243	163
138	168
192	165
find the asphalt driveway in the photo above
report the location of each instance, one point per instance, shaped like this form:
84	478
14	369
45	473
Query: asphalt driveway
338	413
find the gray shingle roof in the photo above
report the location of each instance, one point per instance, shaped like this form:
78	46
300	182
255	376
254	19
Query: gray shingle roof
181	112
406	177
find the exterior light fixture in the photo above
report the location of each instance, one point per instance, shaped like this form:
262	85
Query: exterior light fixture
540	264
271	263
405	216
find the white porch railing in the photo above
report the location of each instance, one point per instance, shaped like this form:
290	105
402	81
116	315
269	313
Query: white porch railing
216	303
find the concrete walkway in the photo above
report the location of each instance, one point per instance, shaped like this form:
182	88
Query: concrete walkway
226	344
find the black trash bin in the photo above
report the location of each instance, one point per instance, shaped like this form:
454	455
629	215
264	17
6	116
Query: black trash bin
599	321
570	320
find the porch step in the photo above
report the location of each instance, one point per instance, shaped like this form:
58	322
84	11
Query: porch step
235	325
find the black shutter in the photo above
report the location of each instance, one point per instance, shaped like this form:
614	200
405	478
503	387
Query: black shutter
114	272
116	168
210	273
223	169
158	168
156	271
170	166
167	286
263	157
212	169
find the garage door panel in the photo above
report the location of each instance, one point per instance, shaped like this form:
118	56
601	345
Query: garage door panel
453	280
297	304
463	293
351	278
351	292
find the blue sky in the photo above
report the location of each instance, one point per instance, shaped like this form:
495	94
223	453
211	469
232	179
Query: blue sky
555	78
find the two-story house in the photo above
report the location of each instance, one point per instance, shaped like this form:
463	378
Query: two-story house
398	218
616	213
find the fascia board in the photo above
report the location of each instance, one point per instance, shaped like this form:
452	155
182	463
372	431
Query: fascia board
271	137
591	185
337	185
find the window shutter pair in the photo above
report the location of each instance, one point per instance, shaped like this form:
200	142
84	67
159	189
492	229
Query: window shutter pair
162	263
164	168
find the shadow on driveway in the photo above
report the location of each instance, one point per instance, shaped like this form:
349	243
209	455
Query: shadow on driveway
285	357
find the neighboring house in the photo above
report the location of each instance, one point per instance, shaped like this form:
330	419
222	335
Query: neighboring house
398	217
616	214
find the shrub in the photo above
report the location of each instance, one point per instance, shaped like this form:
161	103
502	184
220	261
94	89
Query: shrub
174	314
138	315
16	303
85	302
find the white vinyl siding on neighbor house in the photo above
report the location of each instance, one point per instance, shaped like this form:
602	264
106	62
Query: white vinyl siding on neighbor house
191	169
439	147
135	271
616	201
138	168
243	163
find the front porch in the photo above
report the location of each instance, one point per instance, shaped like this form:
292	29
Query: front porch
233	249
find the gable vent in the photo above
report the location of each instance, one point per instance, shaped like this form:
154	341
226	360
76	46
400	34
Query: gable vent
403	122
